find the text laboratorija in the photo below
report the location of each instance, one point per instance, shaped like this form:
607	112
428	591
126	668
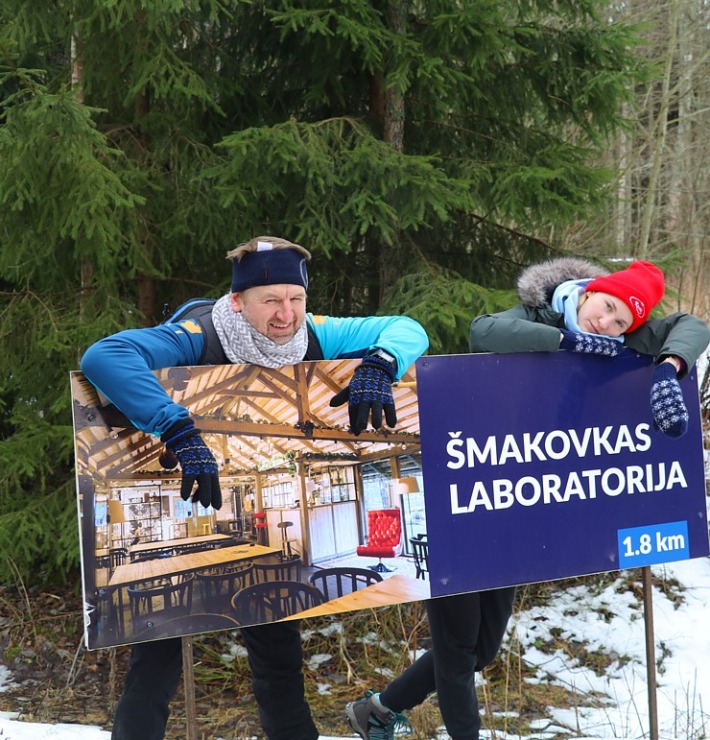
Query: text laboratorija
528	490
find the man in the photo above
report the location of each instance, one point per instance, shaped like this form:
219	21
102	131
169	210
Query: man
262	321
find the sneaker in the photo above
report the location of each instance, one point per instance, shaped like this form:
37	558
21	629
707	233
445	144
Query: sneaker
370	719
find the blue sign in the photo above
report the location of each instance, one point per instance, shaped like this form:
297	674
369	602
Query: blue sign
653	544
539	466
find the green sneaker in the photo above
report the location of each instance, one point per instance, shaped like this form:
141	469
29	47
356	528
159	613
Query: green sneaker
370	719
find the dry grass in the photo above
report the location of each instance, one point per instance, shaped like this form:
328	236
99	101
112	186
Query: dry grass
369	648
41	643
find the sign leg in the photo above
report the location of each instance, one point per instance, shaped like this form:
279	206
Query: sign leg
650	651
188	673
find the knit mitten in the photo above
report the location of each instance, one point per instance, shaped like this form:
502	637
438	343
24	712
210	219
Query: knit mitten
369	392
197	463
670	414
588	344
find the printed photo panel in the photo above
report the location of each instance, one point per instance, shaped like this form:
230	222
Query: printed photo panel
315	520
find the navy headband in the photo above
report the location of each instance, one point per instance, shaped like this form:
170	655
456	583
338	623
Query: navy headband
269	266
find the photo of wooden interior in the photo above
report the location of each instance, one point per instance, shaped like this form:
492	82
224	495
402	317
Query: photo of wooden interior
315	520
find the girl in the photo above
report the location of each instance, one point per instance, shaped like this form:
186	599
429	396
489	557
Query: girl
572	304
568	304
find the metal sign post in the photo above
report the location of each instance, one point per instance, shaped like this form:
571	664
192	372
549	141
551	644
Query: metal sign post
650	651
188	673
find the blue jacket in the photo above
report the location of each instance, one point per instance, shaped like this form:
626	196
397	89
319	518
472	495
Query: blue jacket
121	366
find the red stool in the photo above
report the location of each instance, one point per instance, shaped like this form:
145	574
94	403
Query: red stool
260	526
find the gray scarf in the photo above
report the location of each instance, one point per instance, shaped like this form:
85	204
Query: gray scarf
243	344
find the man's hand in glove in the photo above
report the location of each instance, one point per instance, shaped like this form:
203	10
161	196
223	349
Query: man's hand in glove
588	344
197	463
670	414
369	394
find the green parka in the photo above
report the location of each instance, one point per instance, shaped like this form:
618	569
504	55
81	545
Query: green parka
533	325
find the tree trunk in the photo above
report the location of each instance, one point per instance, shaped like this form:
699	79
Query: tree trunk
393	133
657	135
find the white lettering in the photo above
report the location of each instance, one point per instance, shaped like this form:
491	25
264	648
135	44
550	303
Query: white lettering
479	497
509	450
580	445
475	453
574	487
503	494
661	478
676	477
532	447
644	438
453	450
534	484
550	445
624	441
607	483
543	446
634	479
584	485
551	488
601	441
456	508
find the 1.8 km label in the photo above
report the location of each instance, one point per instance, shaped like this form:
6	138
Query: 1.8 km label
655	543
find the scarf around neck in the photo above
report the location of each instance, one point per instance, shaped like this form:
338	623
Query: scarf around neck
243	344
565	300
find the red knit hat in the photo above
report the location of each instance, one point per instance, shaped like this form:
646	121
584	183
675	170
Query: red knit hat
640	286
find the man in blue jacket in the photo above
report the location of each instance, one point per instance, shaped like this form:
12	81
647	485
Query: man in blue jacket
262	321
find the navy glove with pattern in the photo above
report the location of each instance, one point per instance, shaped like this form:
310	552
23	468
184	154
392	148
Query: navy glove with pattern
197	463
588	344
670	413
369	394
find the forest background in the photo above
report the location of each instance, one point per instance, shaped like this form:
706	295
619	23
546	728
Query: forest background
424	151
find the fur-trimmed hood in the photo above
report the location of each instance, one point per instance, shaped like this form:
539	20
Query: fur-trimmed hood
537	283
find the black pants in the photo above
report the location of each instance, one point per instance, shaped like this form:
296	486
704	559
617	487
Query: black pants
275	658
466	633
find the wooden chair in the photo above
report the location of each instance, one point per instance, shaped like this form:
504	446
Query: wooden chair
218	587
335	582
420	549
103	561
117	556
106	615
384	537
286	570
152	604
267	602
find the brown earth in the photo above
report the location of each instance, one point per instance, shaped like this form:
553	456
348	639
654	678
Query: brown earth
54	679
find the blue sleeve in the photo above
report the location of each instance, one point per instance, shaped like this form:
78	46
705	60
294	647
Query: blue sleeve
343	338
121	367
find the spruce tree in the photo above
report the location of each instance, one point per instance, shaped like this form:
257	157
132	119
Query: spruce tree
416	148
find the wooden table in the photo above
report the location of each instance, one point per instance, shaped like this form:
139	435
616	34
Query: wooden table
182	542
393	590
147	570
